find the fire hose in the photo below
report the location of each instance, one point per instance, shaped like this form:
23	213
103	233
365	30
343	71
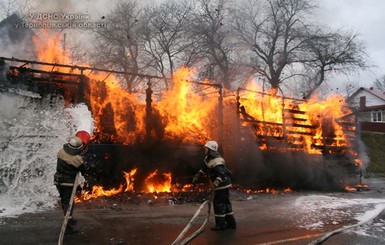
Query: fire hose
376	212
66	217
185	241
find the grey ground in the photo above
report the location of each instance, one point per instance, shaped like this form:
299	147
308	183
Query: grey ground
261	219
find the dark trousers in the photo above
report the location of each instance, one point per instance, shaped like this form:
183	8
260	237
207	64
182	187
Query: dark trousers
65	197
222	204
223	210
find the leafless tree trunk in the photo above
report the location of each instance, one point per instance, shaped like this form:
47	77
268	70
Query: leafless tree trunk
285	46
163	33
117	45
274	33
211	30
332	53
379	83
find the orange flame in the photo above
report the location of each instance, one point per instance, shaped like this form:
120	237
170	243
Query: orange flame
129	176
187	114
49	49
153	183
312	126
356	187
98	191
158	183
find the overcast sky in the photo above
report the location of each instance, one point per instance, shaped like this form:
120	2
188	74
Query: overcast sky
367	18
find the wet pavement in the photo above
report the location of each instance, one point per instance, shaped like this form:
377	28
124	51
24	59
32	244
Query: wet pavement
284	218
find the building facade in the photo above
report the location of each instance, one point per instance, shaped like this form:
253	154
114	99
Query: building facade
369	106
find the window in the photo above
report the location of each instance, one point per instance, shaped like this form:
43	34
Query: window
377	116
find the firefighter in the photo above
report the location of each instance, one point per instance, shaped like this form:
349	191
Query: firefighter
220	177
69	163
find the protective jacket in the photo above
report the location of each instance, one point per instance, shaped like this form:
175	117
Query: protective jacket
69	163
221	177
215	167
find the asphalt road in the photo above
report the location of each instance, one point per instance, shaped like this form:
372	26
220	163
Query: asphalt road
285	218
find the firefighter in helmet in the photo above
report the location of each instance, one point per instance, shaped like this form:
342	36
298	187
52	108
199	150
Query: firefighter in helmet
69	163
220	177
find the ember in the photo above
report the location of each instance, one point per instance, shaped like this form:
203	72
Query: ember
358	187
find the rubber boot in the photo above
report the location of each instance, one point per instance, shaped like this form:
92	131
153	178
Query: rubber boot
72	221
230	220
70	229
220	224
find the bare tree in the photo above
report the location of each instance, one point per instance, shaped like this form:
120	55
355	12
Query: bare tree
270	39
274	32
7	8
379	83
21	7
163	33
118	45
329	53
211	30
350	88
284	46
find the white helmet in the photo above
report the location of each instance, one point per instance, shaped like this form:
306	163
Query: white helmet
212	145
75	143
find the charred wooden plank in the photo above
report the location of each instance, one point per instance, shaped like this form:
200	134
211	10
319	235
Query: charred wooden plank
294	111
295	119
261	122
302	126
299	132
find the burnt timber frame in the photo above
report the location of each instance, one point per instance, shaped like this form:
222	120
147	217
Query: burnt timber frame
80	80
291	126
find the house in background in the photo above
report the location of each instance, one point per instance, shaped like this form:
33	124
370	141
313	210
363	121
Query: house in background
369	107
16	40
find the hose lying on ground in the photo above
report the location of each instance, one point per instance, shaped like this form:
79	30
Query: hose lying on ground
185	241
377	212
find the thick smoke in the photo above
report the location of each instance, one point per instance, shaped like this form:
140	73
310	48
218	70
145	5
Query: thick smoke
297	170
15	40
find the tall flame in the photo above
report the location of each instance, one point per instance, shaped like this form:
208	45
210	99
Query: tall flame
129	176
187	114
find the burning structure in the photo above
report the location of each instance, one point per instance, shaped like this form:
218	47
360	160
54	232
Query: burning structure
152	141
